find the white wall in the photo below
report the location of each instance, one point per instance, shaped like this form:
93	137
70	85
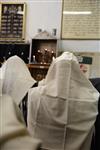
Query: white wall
44	15
80	45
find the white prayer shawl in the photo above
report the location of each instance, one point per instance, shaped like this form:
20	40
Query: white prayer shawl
62	112
1	82
16	78
13	133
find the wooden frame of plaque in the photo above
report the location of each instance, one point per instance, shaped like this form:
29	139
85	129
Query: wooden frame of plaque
12	21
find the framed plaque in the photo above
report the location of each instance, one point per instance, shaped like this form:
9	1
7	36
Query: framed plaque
80	19
12	21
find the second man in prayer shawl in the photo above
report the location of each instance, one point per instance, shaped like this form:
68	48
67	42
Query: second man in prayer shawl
63	110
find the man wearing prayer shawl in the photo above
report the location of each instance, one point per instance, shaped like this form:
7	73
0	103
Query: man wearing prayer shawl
17	78
62	111
16	81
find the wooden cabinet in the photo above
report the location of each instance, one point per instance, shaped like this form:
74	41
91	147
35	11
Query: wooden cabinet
43	50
